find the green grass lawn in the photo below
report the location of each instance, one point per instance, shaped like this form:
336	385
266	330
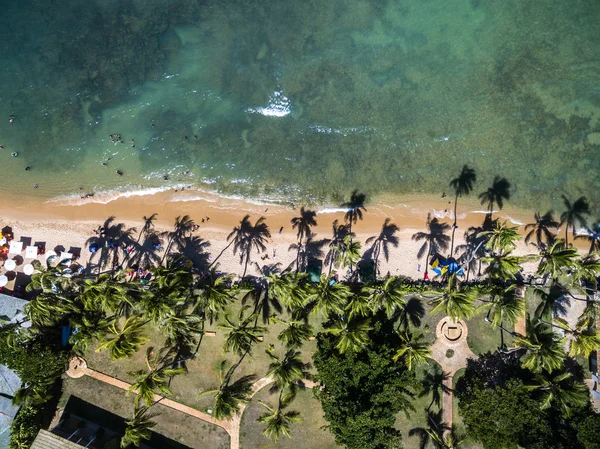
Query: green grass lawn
307	434
175	425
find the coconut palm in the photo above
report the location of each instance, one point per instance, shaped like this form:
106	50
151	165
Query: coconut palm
544	349
355	208
139	428
435	240
243	334
501	238
382	242
288	370
47	309
413	350
253	237
295	333
170	285
462	185
543	229
496	194
287	289
433	383
584	338
352	335
91	325
229	395
358	306
125	341
106	294
575	214
49	279
340	232
182	331
152	381
592	235
389	295
277	420
348	253
557	259
456	303
561	388
504	306
503	267
331	297
215	294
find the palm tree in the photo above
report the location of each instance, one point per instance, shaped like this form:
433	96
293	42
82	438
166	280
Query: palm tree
561	388
243	334
139	428
215	293
182	331
457	304
542	229
574	214
462	185
287	289
340	232
250	237
557	259
501	238
382	242
592	236
229	395
545	350
437	434
288	370
277	420
584	337
331	297
504	306
433	383
304	223
355	208
106	294
435	240
352	335
153	381
413	350
390	295
47	309
126	341
503	267
496	194
348	253
296	332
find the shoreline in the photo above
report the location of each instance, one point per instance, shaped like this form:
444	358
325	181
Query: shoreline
71	226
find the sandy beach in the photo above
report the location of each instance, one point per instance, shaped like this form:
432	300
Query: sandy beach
71	225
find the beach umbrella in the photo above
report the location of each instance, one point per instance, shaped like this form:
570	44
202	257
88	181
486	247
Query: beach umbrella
94	247
31	252
28	269
50	254
3	281
15	247
10	265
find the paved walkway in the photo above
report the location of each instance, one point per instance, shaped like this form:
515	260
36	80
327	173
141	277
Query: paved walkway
78	368
450	335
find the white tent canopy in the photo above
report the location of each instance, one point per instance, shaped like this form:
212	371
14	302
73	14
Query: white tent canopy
15	247
31	252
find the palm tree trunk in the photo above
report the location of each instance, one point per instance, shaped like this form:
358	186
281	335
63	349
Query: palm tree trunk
501	336
567	236
220	254
454	226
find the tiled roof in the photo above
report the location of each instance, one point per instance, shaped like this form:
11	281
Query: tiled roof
47	440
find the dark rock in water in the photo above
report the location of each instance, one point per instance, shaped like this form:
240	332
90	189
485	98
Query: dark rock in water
169	42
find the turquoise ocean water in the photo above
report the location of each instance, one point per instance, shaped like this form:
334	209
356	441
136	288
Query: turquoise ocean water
300	99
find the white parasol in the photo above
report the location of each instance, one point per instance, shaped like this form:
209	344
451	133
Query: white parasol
15	247
3	281
31	252
10	265
50	254
28	269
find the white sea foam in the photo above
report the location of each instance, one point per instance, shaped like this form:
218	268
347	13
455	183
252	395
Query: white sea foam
107	196
332	210
279	106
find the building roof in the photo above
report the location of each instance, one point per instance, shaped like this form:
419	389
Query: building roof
47	440
12	308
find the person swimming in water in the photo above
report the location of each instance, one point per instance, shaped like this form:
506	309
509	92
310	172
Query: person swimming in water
119	172
14	154
28	168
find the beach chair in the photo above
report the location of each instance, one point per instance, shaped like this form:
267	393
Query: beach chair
15	247
31	252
